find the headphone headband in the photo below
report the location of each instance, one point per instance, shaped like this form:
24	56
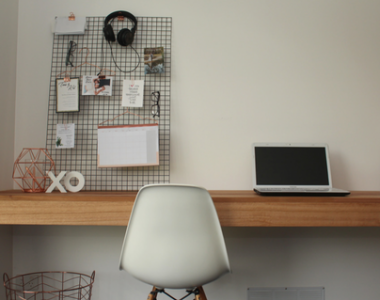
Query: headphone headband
125	36
123	13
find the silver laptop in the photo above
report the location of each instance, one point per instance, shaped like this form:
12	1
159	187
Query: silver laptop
283	169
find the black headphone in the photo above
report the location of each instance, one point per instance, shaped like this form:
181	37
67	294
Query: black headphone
125	36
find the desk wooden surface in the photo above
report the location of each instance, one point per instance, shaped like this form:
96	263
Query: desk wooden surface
235	208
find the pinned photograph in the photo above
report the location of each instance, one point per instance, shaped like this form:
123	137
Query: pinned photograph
154	60
97	85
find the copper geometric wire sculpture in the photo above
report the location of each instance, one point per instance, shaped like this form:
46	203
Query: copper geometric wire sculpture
49	286
31	168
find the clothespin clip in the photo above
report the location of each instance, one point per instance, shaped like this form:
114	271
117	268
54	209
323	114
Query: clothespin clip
65	125
120	17
132	81
100	75
72	17
66	78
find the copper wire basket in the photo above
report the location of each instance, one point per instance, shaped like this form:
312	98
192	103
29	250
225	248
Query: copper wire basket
49	286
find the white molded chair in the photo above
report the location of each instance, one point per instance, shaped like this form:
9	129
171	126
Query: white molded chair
174	240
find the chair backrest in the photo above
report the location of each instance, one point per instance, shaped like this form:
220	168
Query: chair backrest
174	239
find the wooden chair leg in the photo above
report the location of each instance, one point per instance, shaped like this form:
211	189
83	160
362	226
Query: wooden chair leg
153	294
201	295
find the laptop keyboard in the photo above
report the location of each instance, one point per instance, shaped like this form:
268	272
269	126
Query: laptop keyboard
294	189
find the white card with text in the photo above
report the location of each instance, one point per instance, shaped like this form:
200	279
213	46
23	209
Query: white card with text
133	93
65	136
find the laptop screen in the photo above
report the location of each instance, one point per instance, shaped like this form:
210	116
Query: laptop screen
291	165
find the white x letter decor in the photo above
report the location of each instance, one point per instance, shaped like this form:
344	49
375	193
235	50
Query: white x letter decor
56	182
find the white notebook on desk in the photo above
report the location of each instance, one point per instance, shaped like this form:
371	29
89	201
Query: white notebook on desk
296	169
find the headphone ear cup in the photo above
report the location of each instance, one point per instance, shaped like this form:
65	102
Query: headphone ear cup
108	33
125	37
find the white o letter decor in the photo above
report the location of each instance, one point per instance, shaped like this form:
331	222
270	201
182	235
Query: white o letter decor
69	186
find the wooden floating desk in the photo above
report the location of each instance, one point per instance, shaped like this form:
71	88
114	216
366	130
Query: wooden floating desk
235	208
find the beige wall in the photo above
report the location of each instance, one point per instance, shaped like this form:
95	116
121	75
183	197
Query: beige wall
243	71
343	260
8	53
8	50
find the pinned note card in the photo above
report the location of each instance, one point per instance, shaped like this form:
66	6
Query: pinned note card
128	146
65	26
65	136
133	93
67	95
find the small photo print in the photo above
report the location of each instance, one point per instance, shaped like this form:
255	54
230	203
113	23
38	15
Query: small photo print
154	60
97	85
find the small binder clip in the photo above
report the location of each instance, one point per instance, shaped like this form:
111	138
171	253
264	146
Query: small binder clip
72	17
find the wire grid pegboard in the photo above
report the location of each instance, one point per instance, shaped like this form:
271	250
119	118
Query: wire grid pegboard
151	32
